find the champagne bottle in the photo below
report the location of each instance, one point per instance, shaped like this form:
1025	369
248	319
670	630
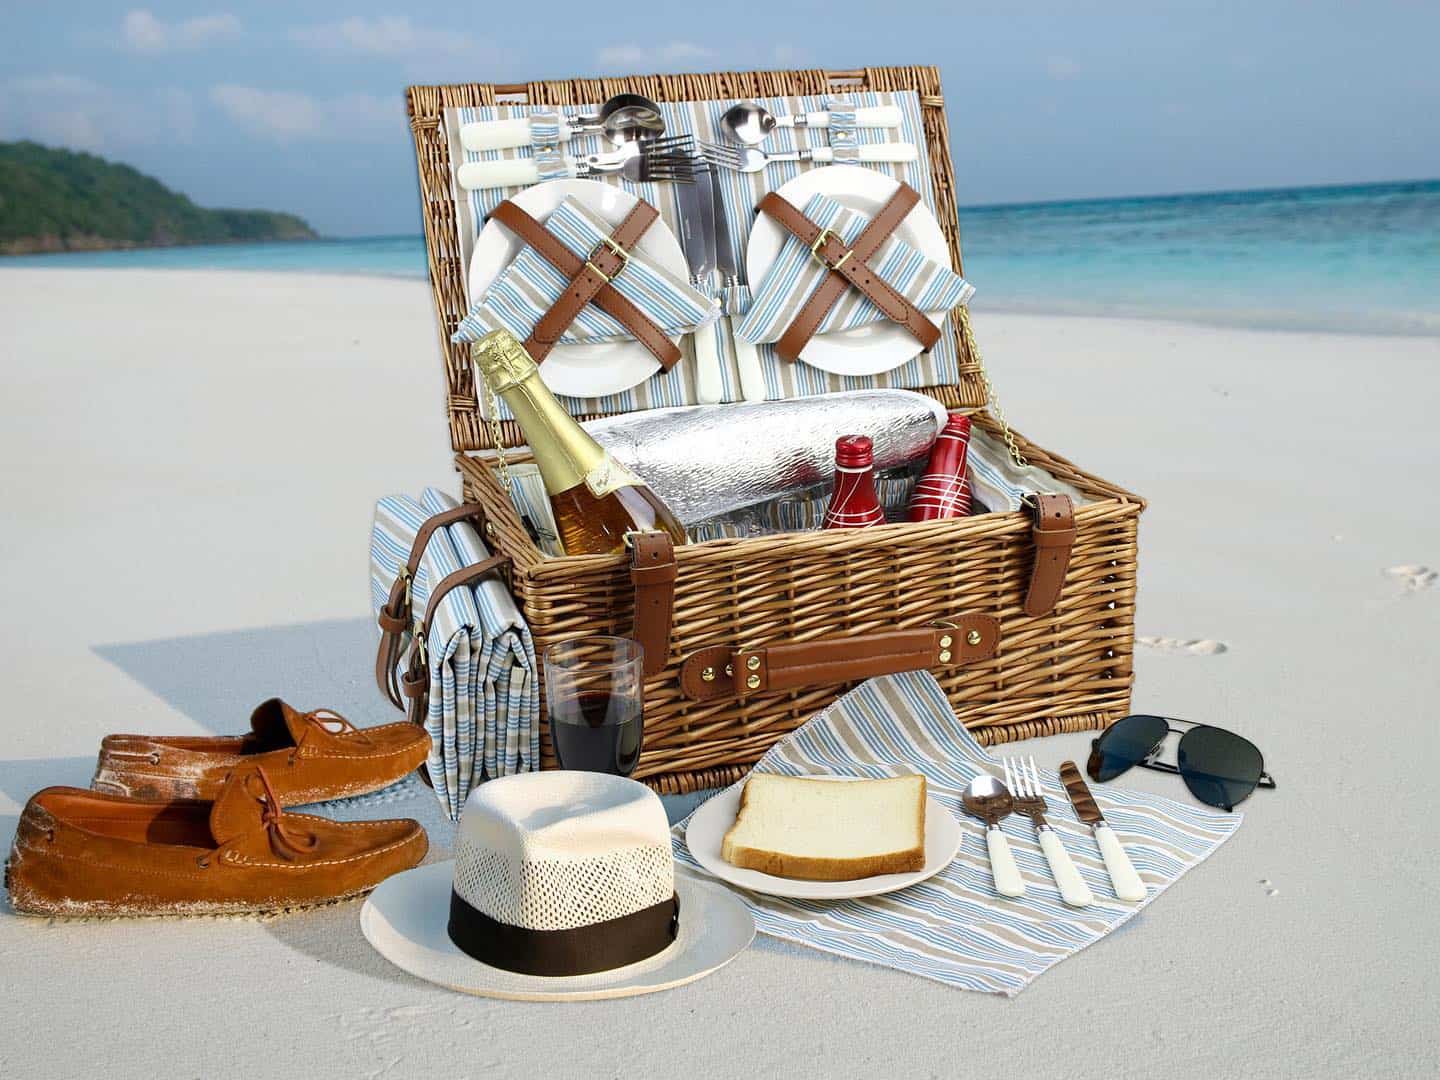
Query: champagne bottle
853	503
596	499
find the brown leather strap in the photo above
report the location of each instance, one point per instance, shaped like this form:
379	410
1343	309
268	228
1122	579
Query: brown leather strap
721	671
1053	531
394	615
589	281
652	572
415	682
849	266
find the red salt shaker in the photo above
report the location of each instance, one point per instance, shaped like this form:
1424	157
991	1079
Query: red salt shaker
853	503
943	490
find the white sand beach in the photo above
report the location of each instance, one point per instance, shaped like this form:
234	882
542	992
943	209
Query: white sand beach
190	461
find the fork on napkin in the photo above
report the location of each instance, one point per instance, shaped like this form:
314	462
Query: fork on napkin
796	273
530	286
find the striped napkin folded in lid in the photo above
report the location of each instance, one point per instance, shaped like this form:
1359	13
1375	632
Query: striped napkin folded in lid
484	702
954	928
796	273
530	286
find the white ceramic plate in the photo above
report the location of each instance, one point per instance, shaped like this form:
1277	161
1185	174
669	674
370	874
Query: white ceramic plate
606	367
712	821
866	350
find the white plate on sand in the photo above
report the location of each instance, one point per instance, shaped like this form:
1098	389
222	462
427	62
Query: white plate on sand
865	350
605	367
712	821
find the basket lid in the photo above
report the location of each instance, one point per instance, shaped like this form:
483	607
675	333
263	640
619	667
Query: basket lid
443	216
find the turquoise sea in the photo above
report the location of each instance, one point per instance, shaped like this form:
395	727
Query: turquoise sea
1358	258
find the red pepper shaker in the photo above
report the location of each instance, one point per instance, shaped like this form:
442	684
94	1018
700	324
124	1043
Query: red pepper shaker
943	490
853	503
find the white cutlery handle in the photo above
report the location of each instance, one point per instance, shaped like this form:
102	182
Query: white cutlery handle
888	151
709	388
1008	881
752	375
879	116
499	134
516	172
1128	885
1073	889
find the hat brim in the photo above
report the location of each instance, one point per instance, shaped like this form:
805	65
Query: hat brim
405	919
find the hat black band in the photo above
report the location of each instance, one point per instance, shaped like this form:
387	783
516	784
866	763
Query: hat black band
584	950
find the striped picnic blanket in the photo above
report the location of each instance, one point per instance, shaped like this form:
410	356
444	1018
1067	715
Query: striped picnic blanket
953	927
484	703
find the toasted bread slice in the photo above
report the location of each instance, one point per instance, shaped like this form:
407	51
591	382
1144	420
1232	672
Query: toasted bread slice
828	830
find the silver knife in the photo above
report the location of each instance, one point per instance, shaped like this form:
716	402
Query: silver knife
1128	885
752	378
697	238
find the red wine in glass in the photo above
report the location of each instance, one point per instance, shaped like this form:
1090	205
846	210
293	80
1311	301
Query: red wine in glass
598	732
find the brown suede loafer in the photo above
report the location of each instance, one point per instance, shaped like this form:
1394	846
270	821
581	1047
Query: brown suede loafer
308	757
80	853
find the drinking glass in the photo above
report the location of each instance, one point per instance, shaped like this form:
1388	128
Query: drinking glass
594	702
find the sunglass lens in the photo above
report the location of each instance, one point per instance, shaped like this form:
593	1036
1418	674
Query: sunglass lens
1125	744
1219	767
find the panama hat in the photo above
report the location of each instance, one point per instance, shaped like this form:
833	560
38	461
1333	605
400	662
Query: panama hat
563	887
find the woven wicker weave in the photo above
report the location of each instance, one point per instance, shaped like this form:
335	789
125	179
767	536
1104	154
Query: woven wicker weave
1067	671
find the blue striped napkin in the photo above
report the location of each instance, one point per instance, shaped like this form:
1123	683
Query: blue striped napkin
530	286
953	928
796	273
484	702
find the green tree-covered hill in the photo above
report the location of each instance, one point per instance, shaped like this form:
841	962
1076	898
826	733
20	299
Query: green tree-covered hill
60	200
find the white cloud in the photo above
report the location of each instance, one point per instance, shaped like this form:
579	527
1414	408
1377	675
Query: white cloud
77	112
636	56
384	35
284	115
1062	68
142	31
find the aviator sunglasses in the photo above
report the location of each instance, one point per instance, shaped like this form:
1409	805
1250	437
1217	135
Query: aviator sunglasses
1219	767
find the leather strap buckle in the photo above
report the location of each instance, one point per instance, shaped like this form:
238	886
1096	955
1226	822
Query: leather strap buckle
620	253
826	235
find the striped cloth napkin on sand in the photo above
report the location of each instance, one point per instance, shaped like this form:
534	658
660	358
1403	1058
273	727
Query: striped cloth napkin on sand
953	927
796	273
530	286
484	703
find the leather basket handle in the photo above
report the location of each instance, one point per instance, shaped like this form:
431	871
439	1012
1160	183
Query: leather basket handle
395	614
724	672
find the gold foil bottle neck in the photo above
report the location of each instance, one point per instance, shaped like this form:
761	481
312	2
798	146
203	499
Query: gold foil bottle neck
501	360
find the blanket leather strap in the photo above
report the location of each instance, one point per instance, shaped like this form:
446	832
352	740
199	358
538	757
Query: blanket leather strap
724	672
848	266
589	281
1053	531
415	682
652	572
394	616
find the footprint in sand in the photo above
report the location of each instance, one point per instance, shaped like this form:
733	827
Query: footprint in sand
1202	647
1413	576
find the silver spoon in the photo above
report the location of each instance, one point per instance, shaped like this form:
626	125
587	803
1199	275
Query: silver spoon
751	123
989	800
625	118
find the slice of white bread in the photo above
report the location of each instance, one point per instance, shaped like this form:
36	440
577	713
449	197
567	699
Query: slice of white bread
828	830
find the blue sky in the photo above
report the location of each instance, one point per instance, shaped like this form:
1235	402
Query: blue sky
298	106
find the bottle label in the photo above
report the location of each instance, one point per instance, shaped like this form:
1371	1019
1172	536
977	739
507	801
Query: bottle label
610	476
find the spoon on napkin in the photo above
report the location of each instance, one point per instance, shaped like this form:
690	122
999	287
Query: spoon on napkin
989	800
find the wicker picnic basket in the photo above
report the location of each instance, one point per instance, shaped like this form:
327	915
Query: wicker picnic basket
1068	669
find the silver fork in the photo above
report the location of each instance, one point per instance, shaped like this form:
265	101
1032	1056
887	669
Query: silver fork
672	159
748	159
1030	800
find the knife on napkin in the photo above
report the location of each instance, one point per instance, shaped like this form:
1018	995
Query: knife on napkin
1128	885
697	239
752	377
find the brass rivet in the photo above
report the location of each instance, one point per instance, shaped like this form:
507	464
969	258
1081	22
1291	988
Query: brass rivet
946	641
944	656
489	528
753	663
708	674
753	681
973	637
730	670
